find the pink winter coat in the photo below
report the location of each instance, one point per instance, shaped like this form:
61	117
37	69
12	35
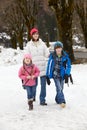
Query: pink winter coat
25	71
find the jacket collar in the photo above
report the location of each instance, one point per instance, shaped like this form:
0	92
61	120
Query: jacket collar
37	43
63	54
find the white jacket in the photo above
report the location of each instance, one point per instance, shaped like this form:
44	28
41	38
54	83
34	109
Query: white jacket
39	53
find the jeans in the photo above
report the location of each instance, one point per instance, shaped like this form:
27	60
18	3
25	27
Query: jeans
59	83
30	91
43	89
35	88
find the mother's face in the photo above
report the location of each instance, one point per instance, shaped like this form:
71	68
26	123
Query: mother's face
35	36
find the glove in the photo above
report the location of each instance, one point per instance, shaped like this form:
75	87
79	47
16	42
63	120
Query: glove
71	79
66	78
23	85
48	80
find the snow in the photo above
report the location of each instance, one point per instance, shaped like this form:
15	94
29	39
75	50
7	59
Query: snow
4	35
14	113
10	56
76	39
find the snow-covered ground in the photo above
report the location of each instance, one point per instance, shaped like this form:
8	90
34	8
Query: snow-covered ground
14	113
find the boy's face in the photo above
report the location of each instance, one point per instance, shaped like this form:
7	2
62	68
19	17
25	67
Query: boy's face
27	61
59	51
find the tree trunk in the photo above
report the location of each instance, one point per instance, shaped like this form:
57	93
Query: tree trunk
65	34
28	33
64	11
83	23
20	41
85	37
81	8
14	42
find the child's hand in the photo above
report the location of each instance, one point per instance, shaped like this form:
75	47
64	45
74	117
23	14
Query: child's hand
66	78
48	80
29	77
33	77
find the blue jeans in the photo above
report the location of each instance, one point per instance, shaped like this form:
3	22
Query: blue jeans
59	83
30	91
43	89
35	87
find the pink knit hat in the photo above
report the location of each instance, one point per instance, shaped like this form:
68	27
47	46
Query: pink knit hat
27	56
33	30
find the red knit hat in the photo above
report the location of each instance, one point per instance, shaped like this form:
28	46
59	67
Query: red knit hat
33	30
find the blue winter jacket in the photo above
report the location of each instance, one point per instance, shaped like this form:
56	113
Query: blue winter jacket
65	65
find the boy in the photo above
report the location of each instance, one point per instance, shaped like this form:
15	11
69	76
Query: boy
59	67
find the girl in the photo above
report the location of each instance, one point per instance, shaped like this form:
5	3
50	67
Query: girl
37	48
28	73
59	67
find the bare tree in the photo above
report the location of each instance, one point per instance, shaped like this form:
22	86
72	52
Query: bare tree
64	11
29	9
81	8
15	25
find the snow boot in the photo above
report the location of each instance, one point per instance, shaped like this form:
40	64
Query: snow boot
30	103
63	105
43	104
34	99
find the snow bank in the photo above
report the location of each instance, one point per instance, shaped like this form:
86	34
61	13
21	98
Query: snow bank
11	56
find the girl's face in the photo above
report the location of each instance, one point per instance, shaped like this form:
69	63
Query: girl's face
59	51
27	61
35	36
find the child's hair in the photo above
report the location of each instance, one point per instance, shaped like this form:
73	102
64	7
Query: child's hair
25	63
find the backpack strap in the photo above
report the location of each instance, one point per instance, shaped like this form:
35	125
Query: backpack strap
28	73
27	70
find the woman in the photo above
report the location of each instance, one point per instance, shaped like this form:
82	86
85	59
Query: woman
37	48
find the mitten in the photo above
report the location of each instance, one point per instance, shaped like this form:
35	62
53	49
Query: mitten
48	80
66	78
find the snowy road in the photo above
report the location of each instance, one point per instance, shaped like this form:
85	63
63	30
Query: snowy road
14	114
